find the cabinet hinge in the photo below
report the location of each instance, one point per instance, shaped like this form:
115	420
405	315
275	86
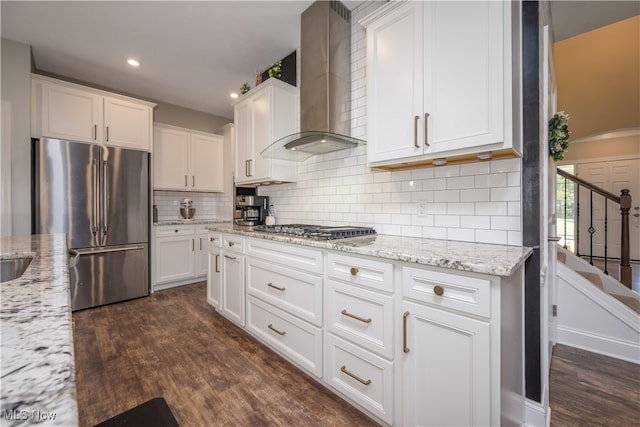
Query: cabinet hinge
554	309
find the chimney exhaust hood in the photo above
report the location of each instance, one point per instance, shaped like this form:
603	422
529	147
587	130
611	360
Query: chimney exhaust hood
325	85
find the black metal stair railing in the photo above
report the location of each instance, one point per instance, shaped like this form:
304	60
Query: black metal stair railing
624	201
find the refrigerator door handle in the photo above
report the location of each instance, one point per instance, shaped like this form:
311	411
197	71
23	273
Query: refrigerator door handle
81	252
96	190
73	261
105	197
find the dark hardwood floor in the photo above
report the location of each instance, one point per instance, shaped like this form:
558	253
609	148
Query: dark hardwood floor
588	389
173	345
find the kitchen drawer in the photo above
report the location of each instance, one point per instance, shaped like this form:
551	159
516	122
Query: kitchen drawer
202	228
174	230
233	242
459	292
363	377
309	260
362	316
291	290
214	240
365	272
297	340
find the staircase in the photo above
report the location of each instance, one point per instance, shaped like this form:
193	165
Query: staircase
596	312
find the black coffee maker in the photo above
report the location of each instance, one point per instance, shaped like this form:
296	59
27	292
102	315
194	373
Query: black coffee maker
251	210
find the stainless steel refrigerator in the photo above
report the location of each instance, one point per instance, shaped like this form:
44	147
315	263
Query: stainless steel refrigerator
99	197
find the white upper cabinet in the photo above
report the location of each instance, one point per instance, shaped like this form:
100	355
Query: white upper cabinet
68	111
439	82
262	116
187	160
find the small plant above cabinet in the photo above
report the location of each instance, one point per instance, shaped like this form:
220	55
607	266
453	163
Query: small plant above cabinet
69	111
447	89
187	160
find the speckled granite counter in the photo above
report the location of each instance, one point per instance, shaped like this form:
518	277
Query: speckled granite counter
497	260
189	222
38	373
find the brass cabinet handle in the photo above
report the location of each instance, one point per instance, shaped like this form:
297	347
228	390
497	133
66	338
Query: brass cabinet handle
415	131
230	257
193	245
193	181
354	376
362	319
212	239
426	129
185	181
354	271
107	133
231	244
175	231
95	132
247	167
438	290
270	326
271	285
404	332
200	243
217	263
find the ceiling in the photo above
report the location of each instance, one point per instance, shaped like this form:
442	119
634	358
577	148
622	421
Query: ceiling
193	54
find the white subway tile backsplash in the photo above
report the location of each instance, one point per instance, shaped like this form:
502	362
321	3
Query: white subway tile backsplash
339	188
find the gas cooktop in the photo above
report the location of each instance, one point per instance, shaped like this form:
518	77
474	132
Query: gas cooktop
317	232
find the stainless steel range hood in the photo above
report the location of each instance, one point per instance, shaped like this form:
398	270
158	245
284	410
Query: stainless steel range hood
325	85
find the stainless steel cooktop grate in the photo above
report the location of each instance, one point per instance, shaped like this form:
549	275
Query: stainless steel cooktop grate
318	232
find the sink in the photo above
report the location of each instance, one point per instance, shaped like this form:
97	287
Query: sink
13	268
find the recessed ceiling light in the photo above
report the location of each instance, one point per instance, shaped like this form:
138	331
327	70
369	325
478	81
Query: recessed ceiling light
233	95
133	62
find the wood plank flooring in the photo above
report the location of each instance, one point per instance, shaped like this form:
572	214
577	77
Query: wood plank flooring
172	344
588	389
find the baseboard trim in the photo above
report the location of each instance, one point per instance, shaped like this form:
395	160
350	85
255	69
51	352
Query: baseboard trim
598	344
536	414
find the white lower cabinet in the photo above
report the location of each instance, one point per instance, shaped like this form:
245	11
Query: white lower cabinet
446	369
407	344
214	285
180	255
233	286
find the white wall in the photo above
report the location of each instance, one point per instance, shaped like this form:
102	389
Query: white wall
473	202
16	69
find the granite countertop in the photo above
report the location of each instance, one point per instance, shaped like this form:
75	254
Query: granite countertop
189	221
497	260
37	361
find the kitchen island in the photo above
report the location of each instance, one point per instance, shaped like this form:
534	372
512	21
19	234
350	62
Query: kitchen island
37	358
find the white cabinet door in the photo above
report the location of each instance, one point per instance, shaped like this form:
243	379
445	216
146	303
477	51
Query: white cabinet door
244	142
464	74
445	368
394	84
70	113
127	124
201	253
170	159
261	117
214	290
174	259
206	162
233	291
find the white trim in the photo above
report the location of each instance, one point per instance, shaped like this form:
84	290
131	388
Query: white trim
537	414
598	160
615	348
618	133
5	169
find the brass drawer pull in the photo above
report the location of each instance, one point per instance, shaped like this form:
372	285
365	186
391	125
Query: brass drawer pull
354	376
415	131
217	264
438	290
404	332
354	271
230	257
426	130
270	326
231	244
212	239
271	285
362	319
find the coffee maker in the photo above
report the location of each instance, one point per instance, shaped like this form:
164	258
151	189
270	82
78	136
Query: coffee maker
251	210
